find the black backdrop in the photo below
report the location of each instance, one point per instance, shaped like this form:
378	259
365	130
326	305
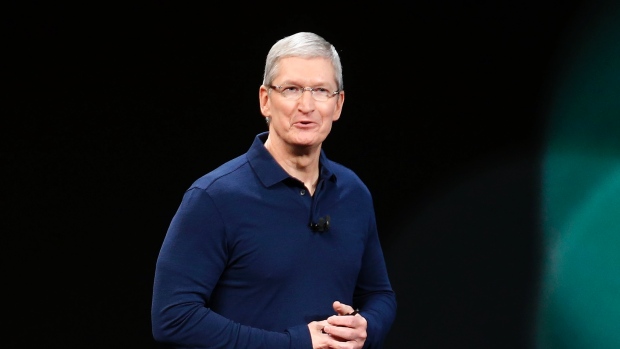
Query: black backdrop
112	110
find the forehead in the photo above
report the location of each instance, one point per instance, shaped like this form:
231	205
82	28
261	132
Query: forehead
306	71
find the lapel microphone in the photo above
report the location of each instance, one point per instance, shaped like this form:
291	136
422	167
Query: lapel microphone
322	225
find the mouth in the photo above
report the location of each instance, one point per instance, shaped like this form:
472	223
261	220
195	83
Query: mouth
303	123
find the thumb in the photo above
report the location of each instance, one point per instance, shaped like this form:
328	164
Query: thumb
341	308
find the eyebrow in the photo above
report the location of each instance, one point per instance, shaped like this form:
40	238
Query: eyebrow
287	82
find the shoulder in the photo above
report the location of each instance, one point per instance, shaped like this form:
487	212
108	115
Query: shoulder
346	177
233	171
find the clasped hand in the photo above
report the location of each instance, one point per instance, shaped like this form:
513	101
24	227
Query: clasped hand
339	331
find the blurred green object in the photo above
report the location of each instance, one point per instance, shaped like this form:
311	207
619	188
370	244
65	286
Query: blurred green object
579	305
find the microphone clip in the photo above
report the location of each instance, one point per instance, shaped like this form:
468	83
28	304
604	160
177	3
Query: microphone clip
322	225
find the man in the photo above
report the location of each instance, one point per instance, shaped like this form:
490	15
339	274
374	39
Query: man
278	248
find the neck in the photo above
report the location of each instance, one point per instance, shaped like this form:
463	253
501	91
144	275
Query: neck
298	163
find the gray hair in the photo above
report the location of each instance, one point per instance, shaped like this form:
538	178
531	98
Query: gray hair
305	45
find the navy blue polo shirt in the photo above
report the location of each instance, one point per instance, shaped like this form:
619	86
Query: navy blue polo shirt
242	266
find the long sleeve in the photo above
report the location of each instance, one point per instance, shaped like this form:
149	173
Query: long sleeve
374	295
192	257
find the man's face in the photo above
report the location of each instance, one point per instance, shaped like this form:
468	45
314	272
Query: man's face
302	122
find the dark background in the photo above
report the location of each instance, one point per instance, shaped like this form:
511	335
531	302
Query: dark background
112	110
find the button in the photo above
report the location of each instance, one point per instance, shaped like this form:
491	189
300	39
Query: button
302	192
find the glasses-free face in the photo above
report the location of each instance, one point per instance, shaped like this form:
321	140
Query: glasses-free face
293	92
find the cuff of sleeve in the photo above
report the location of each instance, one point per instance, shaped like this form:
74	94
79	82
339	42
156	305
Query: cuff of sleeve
300	337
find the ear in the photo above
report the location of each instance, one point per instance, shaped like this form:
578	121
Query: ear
263	100
338	107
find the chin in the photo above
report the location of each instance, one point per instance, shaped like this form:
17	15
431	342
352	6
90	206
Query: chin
308	139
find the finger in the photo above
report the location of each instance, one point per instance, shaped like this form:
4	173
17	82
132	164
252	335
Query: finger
317	326
343	309
339	333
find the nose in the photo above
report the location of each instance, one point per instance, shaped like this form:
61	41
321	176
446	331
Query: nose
306	101
309	89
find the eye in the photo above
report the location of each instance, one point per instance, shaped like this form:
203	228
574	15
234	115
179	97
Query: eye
322	92
291	89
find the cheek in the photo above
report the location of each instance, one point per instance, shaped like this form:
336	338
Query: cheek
330	112
283	109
